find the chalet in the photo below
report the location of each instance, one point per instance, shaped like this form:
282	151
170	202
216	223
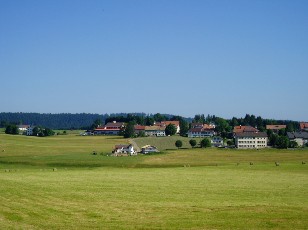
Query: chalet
149	149
275	128
111	128
250	140
155	130
300	137
200	132
303	126
124	149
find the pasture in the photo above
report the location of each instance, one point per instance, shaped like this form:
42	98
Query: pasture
178	189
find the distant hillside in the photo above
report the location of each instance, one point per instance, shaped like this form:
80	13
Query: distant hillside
61	120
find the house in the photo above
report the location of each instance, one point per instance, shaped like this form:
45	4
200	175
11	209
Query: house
111	128
149	149
300	137
275	128
175	123
155	130
200	132
217	141
139	128
23	128
244	129
29	131
249	140
303	126
120	150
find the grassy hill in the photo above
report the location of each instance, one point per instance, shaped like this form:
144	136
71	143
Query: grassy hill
56	183
163	143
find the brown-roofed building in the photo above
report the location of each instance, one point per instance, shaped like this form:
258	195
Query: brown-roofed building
244	129
200	132
250	140
303	126
175	123
155	130
275	128
111	128
139	128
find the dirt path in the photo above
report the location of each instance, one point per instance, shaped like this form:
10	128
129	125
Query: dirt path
132	142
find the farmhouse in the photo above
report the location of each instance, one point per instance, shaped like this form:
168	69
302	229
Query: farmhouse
124	149
247	140
149	149
139	128
111	128
200	132
155	130
244	129
175	123
301	138
23	128
29	131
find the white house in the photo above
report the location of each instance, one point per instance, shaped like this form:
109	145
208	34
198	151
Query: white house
217	141
30	131
124	149
200	132
249	140
155	130
300	137
149	149
23	128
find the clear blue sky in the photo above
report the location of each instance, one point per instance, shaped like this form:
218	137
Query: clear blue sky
226	58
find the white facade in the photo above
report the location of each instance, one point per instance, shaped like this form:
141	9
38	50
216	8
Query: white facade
200	133
217	141
30	131
128	149
250	142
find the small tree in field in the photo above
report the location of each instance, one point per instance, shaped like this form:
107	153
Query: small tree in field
204	143
178	144
193	143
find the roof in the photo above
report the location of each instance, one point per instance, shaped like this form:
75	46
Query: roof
200	130
114	124
154	127
139	127
243	128
206	126
251	134
23	126
303	125
275	127
148	146
194	125
176	123
121	146
293	135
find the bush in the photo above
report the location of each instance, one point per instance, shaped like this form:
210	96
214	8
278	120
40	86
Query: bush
178	144
205	143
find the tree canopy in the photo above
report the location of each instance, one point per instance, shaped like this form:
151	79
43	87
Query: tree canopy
170	130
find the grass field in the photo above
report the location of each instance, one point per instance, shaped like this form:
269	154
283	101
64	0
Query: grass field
179	189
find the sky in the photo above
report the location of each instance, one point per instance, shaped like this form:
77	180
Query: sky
226	58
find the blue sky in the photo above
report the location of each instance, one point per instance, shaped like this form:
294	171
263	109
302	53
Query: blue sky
226	58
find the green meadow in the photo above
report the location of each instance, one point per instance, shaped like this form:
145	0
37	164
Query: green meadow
57	183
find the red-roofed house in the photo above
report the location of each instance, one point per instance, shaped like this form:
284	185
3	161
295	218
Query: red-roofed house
111	128
303	126
175	123
244	129
275	128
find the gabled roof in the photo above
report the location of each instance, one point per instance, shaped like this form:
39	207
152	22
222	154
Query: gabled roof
293	135
200	130
251	134
303	125
139	127
176	123
243	128
154	128
121	146
114	124
275	127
